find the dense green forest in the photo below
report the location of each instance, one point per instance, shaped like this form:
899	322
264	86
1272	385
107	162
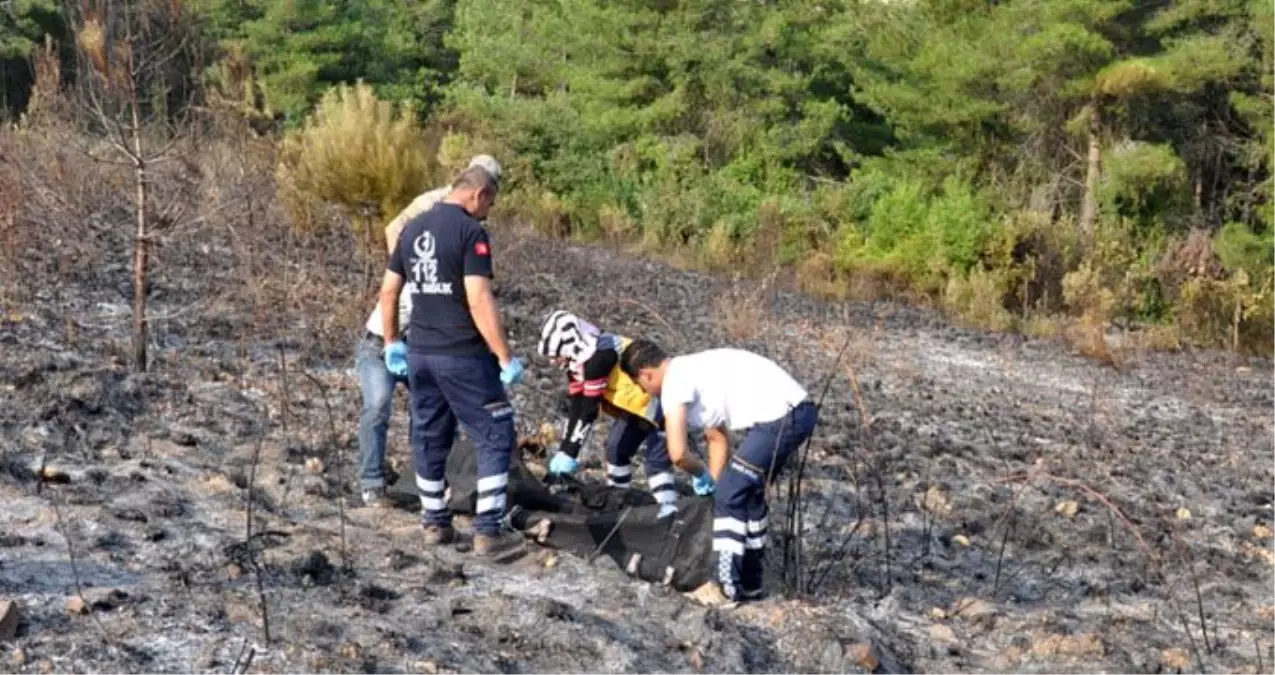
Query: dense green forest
1018	163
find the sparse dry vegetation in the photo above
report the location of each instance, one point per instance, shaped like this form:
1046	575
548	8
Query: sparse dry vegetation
743	310
915	487
970	501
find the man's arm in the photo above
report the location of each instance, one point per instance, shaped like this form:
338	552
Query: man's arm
675	440
718	450
586	400
482	307
418	206
395	228
583	413
391	287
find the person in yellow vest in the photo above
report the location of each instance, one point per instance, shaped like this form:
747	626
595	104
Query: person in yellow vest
596	384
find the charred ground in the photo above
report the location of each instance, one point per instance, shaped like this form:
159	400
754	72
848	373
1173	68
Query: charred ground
971	502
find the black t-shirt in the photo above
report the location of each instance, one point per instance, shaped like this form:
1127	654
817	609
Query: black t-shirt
435	252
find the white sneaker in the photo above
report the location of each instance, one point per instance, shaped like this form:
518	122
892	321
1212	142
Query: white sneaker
375	498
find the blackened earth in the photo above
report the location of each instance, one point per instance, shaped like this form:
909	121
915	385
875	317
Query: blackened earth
972	502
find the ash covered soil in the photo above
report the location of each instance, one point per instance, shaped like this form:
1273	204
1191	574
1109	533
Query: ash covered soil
971	502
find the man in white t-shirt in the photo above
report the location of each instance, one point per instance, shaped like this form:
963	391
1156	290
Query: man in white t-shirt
721	391
375	379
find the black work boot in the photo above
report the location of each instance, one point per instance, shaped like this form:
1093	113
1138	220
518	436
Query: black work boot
436	535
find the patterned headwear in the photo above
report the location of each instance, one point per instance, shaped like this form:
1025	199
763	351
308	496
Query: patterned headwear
568	336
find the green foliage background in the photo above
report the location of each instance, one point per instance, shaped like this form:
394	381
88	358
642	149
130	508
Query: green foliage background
939	148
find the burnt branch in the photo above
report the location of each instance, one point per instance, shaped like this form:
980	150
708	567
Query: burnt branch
340	467
263	607
70	545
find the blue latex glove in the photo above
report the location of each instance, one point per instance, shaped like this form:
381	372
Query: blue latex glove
703	484
512	373
396	358
562	463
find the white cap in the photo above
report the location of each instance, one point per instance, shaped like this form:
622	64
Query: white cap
488	164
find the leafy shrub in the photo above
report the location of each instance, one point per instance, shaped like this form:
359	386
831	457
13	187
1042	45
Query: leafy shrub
1034	254
919	238
1127	263
1142	181
1241	249
979	298
1233	313
1086	294
547	213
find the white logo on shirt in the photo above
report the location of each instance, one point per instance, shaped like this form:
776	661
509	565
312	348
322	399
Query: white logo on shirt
425	269
581	433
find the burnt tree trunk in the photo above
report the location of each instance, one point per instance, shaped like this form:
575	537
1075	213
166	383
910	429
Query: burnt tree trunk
141	241
141	255
1093	170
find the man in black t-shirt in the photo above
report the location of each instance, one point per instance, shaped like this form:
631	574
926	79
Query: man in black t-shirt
456	359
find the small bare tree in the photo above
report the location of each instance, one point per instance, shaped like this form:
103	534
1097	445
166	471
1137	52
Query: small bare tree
135	83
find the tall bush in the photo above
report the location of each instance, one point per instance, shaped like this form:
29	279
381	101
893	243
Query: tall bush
363	154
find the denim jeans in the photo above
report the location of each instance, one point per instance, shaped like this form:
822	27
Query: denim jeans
447	390
378	403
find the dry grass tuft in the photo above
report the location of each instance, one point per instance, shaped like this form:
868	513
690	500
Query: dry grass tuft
1088	298
12	238
616	225
979	300
743	313
720	251
817	275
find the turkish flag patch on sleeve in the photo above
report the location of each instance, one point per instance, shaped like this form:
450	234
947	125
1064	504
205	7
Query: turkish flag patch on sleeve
481	248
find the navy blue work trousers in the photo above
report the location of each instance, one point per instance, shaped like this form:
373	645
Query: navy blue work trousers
446	390
739	502
628	433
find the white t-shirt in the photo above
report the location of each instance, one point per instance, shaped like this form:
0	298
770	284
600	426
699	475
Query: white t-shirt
420	205
732	388
404	313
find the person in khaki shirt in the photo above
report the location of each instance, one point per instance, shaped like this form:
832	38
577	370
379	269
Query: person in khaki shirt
426	201
375	380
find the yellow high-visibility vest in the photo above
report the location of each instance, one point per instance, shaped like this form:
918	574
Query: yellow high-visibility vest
625	394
